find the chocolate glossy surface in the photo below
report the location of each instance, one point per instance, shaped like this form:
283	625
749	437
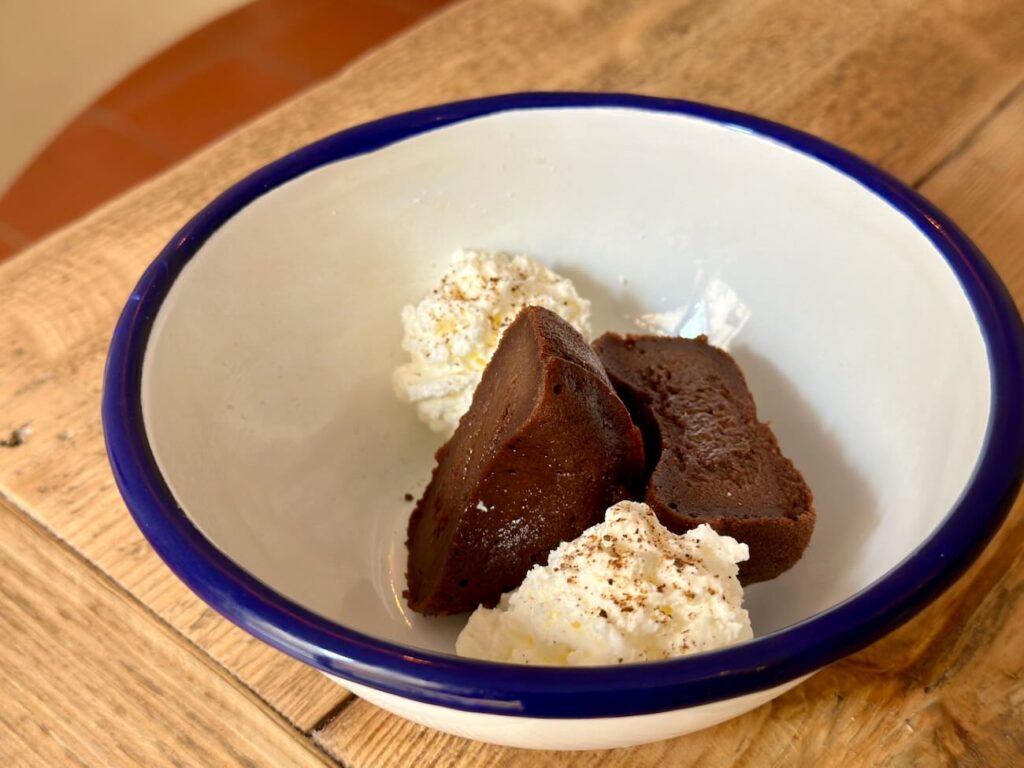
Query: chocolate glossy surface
546	447
711	460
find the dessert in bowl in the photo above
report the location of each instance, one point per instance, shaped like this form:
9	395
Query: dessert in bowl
255	436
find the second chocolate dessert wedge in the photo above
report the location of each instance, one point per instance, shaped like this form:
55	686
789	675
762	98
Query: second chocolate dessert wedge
545	448
711	460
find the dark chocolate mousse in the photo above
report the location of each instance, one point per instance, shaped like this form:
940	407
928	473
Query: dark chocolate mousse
545	448
711	460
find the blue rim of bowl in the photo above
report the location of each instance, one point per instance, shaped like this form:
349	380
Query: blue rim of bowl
477	686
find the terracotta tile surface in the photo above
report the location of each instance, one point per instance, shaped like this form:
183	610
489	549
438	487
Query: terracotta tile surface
206	102
7	247
89	162
229	34
205	85
10	240
313	41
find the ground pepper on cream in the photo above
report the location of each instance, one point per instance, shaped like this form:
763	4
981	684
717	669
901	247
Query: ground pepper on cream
626	590
452	333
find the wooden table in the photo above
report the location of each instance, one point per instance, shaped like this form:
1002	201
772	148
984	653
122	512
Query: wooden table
106	659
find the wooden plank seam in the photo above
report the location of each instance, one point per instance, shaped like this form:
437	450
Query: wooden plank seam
120	590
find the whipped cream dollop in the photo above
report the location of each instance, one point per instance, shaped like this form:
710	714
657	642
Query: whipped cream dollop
452	333
626	590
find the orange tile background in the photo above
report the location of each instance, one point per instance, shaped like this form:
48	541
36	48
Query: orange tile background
198	89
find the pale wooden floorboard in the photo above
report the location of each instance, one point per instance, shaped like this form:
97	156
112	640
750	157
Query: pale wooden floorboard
90	677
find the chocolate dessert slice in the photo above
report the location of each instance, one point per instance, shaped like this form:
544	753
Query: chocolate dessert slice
545	448
711	460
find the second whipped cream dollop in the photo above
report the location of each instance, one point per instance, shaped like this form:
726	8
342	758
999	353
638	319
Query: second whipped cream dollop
452	333
626	590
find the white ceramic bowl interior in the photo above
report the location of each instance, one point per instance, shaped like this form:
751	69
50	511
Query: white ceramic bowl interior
266	386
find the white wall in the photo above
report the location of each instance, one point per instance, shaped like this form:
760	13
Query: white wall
58	56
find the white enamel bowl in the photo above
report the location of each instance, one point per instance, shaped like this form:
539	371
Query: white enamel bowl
255	437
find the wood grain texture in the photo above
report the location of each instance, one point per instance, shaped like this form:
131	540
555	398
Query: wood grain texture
90	677
930	90
982	189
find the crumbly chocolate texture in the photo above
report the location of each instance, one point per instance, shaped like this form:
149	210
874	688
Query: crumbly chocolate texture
710	459
545	448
